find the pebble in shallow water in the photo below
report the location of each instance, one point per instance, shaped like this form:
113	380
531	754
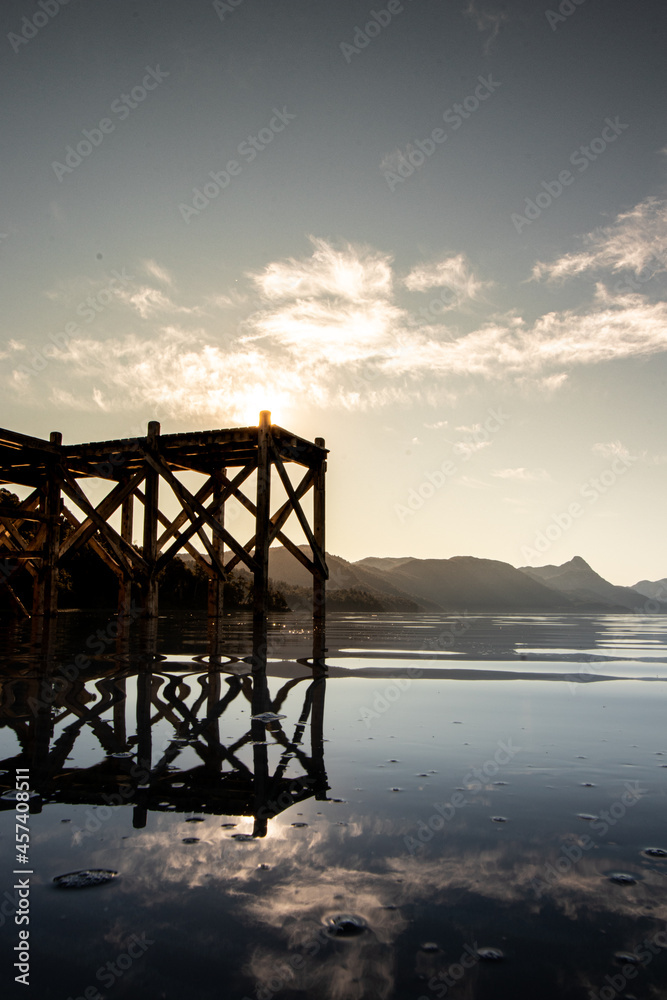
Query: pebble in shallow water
490	954
655	852
622	878
190	840
345	925
85	878
267	717
626	958
429	946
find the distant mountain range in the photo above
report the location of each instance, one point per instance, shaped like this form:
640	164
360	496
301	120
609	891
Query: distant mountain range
464	582
656	589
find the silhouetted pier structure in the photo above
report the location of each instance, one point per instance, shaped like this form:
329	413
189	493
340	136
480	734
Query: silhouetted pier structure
137	469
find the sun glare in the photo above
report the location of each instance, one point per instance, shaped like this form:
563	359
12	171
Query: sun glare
256	398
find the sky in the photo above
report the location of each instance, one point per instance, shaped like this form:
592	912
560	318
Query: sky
432	232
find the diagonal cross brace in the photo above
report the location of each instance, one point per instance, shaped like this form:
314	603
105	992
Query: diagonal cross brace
121	549
196	508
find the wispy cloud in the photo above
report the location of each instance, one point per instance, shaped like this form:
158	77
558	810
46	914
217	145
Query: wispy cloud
149	302
355	274
486	20
330	327
611	449
635	240
155	270
522	475
468	448
454	273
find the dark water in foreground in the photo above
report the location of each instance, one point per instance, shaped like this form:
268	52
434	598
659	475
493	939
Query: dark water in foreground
454	784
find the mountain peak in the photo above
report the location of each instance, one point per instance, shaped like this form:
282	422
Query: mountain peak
576	562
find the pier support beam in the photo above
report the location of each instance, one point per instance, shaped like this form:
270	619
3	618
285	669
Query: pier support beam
125	583
263	513
319	579
216	585
45	592
151	501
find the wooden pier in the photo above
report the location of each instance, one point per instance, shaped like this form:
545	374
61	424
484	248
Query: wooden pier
139	469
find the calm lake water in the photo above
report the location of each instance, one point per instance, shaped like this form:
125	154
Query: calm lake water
464	806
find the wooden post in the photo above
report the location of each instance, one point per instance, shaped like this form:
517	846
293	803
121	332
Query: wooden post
216	585
151	501
260	702
319	580
144	743
125	585
263	514
45	599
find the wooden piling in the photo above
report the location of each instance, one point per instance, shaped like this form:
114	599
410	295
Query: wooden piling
263	513
125	581
216	583
151	501
45	593
319	513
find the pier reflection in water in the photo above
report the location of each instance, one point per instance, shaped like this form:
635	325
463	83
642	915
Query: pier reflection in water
51	708
245	842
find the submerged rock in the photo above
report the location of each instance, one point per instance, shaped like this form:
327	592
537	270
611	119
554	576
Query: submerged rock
622	878
85	878
345	925
490	954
